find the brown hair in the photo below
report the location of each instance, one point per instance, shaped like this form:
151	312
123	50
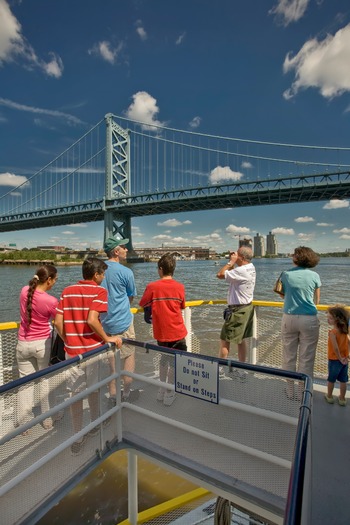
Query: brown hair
41	276
167	263
305	257
91	265
341	317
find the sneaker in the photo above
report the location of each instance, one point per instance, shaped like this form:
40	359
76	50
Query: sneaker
112	401
47	423
58	416
342	402
77	447
94	431
329	400
169	398
241	375
160	394
221	372
131	396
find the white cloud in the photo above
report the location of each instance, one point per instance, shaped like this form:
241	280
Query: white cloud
70	119
180	239
12	180
283	231
106	51
15	48
221	173
144	109
323	65
304	219
67	232
305	236
335	204
211	237
246	165
78	225
237	229
170	223
162	237
345	236
187	222
140	30
195	122
180	38
54	68
323	224
136	232
343	230
288	11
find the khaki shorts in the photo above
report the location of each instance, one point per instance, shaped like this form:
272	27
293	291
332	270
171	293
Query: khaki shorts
127	350
239	325
82	375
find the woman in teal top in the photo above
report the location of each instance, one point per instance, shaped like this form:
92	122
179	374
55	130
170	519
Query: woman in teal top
300	325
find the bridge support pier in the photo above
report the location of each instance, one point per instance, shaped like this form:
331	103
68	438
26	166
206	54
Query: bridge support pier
120	227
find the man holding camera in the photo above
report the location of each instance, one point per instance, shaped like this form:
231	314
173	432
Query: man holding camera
240	274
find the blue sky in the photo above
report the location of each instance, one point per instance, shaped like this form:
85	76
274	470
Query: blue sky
266	70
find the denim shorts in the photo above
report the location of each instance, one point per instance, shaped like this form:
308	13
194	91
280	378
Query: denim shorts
337	371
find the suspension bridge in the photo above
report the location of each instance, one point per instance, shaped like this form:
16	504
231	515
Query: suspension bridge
122	169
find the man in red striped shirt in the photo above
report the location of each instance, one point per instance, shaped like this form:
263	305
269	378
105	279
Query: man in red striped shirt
78	323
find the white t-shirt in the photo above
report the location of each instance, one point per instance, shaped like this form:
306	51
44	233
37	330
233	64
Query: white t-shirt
242	283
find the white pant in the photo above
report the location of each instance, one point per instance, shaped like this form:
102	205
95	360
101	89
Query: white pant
32	356
300	332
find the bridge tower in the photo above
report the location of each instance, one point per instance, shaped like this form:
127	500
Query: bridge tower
117	181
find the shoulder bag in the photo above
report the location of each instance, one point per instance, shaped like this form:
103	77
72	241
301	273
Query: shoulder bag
57	349
278	288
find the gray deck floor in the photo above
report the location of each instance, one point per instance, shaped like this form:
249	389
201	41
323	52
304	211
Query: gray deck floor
330	462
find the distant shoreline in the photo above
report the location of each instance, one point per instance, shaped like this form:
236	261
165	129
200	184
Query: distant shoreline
24	262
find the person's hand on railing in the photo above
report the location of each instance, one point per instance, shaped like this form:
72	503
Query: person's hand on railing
114	339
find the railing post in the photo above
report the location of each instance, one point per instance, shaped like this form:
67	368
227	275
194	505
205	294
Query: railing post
132	488
188	324
2	400
254	340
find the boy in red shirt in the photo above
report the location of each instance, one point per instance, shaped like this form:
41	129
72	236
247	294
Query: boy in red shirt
166	297
78	323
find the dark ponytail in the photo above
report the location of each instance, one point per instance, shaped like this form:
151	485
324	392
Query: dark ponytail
42	274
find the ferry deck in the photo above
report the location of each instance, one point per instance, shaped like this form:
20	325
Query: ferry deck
278	460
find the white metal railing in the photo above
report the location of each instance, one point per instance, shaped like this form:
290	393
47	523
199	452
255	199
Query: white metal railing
242	459
203	319
25	461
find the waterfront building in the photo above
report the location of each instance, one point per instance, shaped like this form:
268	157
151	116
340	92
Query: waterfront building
271	244
180	252
245	242
259	245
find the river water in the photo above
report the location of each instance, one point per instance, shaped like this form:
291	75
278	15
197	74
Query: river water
199	278
102	497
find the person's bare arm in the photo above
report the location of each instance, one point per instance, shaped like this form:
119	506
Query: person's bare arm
317	296
60	326
228	266
333	339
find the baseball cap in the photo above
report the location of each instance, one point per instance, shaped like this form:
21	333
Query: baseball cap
112	243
